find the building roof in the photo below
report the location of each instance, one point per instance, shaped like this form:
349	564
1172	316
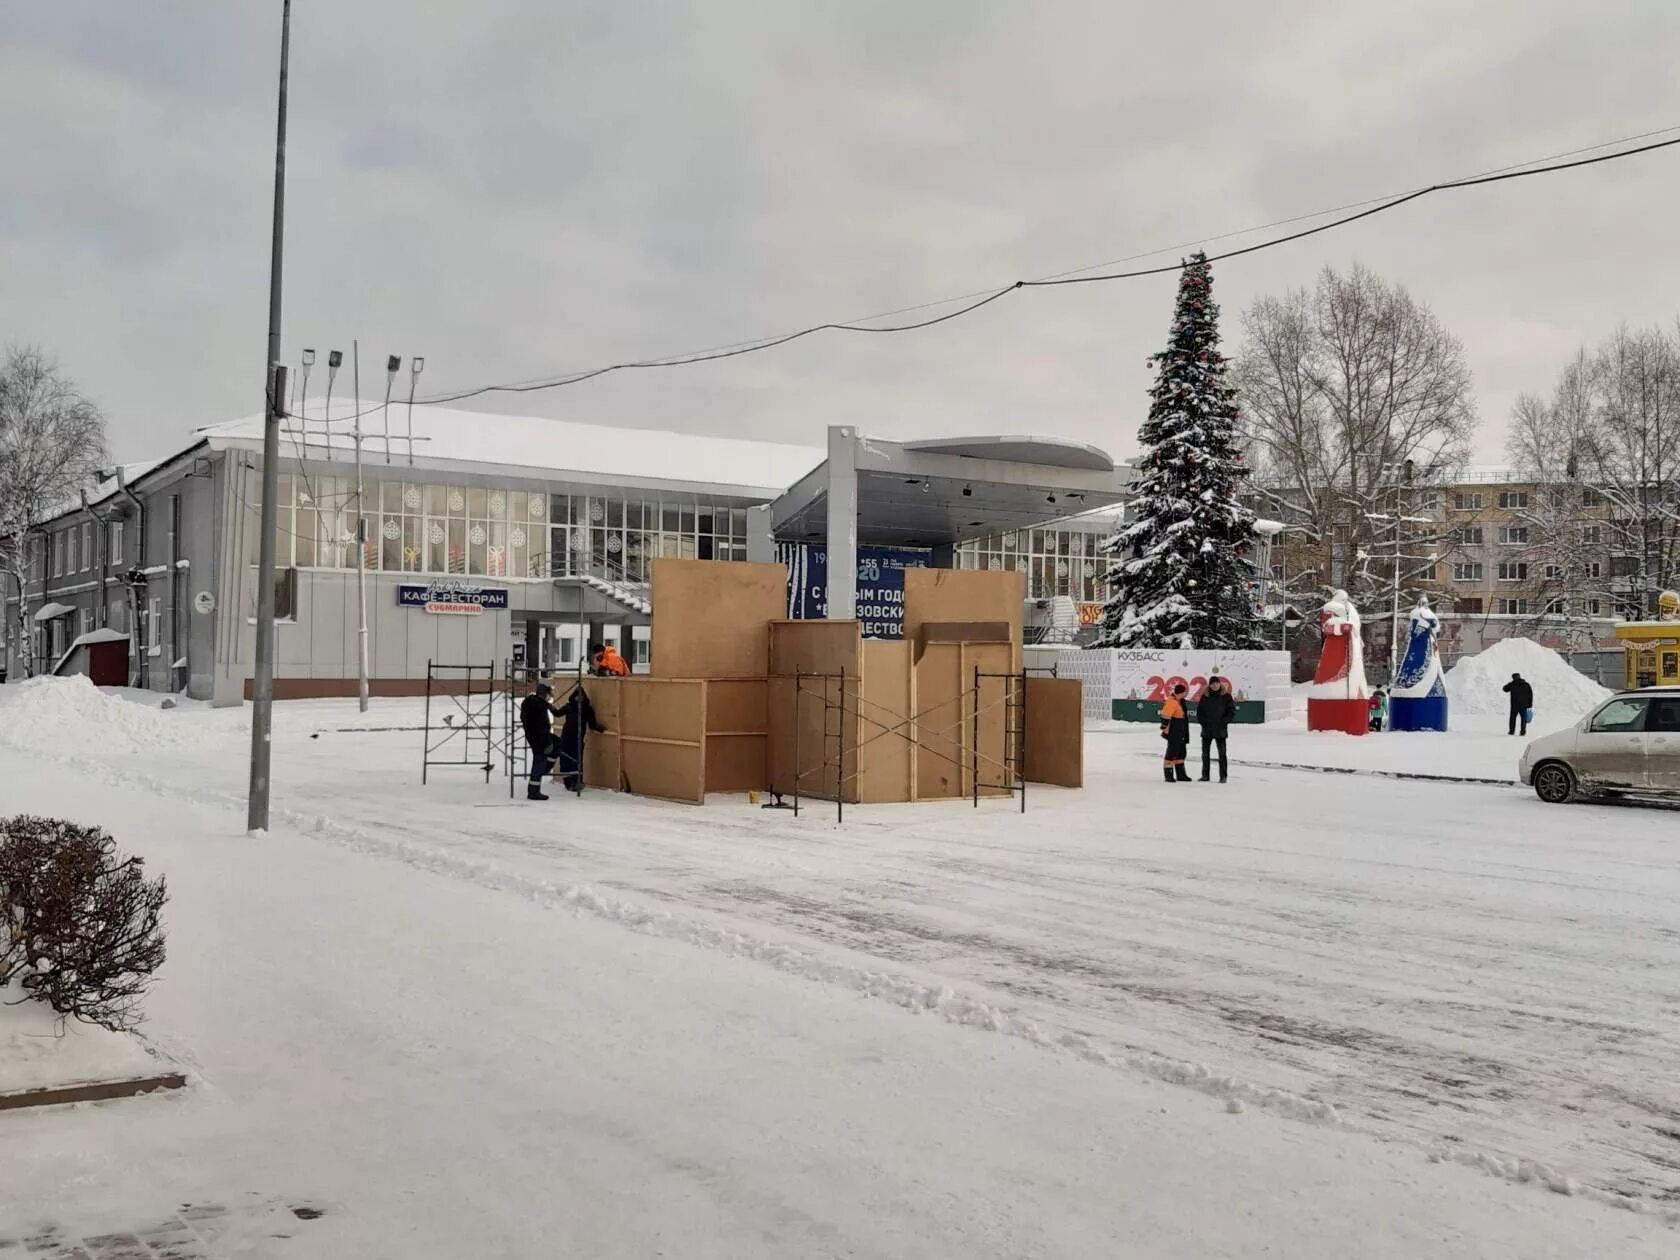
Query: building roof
102	489
448	438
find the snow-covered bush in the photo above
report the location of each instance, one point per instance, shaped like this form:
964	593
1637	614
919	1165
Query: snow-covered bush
79	925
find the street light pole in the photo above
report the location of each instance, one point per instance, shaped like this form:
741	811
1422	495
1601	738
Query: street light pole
361	541
274	377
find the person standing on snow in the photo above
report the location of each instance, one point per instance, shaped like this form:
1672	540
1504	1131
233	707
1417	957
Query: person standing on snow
536	714
1214	713
1522	700
577	720
1379	709
1175	729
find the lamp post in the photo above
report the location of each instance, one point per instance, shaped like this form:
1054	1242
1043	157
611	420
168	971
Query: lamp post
393	363
416	365
335	360
274	378
308	360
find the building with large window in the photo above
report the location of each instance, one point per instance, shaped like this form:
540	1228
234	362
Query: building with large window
481	539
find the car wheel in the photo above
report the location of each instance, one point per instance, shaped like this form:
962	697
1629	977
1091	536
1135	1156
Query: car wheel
1554	783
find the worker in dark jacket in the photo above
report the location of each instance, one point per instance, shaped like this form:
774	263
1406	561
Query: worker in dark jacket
1522	700
1175	729
1214	712
577	717
536	714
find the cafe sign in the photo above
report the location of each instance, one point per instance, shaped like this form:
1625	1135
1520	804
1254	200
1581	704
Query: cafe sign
458	599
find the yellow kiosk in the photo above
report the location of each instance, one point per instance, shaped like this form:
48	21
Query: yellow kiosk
1653	647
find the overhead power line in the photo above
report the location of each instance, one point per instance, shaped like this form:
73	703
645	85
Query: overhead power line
974	301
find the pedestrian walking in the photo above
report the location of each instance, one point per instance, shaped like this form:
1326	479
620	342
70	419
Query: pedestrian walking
1379	709
577	719
1175	729
1522	703
1215	712
536	716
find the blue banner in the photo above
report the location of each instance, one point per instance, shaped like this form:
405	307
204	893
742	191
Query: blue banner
880	584
449	595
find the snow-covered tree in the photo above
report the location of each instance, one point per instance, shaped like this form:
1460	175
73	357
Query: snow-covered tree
51	439
1181	568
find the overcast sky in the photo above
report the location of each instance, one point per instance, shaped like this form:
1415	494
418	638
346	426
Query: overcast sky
519	187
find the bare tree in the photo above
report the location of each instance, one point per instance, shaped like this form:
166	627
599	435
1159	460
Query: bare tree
52	437
1354	395
1606	452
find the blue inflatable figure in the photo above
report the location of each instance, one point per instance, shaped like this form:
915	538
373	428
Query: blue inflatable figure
1418	701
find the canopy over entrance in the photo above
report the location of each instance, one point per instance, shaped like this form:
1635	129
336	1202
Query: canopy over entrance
935	494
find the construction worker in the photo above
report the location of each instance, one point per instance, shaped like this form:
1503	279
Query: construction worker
1175	729
605	661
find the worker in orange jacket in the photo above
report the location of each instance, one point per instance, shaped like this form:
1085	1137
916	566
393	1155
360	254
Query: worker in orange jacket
1175	729
606	661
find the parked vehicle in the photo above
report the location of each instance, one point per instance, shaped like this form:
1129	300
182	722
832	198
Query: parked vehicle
1628	746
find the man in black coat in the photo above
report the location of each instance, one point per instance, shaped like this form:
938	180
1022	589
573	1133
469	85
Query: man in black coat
577	720
1522	700
536	713
1214	712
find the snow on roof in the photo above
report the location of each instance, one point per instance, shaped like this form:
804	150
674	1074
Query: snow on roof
99	636
555	447
102	489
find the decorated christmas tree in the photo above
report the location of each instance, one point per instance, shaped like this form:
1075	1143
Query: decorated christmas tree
1182	564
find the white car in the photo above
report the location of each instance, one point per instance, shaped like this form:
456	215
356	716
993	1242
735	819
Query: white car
1627	746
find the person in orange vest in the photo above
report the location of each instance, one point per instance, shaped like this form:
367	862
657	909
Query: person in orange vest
605	660
1175	729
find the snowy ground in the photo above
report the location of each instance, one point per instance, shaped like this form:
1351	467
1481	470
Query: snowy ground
1308	1014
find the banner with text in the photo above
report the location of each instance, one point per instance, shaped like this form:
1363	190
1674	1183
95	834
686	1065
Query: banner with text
880	584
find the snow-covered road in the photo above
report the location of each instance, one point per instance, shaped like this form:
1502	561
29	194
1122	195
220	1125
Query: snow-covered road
1375	973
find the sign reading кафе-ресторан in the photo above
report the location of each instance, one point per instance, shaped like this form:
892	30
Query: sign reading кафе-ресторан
465	599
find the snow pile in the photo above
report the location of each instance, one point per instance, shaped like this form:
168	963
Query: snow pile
70	713
37	1052
1473	685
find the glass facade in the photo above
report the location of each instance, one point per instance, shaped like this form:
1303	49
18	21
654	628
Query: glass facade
1056	561
496	532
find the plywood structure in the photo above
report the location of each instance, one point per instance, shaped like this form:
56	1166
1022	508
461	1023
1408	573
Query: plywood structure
743	698
1055	751
711	618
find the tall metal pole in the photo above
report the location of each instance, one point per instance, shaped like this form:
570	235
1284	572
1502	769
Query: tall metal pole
262	683
361	541
1394	617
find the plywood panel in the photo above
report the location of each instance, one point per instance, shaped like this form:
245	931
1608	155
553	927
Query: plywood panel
736	763
656	708
738	705
946	705
737	734
940	721
711	618
1055	751
601	763
802	739
672	772
964	595
885	758
815	647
